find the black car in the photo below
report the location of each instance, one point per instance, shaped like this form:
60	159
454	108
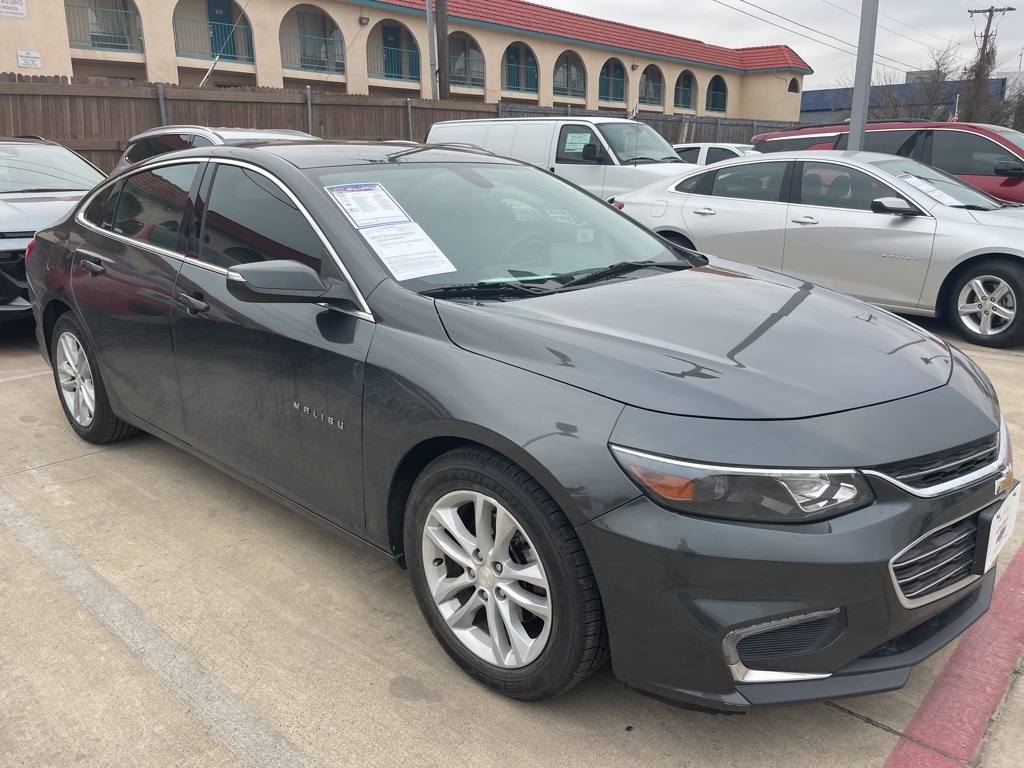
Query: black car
580	439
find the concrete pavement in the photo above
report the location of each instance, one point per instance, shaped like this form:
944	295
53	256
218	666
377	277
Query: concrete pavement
155	612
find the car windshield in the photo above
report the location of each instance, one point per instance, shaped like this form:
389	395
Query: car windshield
465	224
635	142
44	168
939	186
1014	137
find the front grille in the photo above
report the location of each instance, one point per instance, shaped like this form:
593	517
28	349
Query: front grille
794	640
944	466
941	560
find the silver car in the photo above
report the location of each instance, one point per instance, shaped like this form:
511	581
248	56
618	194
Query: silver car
889	230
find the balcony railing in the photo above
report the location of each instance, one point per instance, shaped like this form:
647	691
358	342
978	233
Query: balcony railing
650	93
520	78
572	84
103	28
716	101
201	39
466	71
314	54
683	98
393	63
611	88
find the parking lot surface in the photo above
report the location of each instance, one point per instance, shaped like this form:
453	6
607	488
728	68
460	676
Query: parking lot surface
155	612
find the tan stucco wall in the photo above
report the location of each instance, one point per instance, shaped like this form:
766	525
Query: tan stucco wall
758	95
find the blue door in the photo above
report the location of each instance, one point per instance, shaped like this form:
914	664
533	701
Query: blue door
222	36
512	68
392	51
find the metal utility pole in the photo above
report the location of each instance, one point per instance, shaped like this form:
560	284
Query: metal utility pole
978	94
431	32
444	81
862	76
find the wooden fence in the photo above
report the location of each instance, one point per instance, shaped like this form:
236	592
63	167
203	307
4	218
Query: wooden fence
97	116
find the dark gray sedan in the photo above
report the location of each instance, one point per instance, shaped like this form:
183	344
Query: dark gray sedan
580	439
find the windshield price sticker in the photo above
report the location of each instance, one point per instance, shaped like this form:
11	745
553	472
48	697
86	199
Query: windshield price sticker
575	142
368	205
406	250
929	189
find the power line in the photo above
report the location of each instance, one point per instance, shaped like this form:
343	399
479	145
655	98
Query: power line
908	67
908	26
887	29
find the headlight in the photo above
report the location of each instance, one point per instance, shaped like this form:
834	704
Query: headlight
760	495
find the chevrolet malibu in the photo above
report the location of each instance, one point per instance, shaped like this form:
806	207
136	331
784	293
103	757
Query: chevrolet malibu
581	440
889	230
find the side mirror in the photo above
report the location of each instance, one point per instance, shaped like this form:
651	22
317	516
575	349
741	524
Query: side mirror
896	206
592	153
282	282
1014	170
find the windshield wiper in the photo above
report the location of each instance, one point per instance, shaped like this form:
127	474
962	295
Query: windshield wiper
39	189
486	291
973	207
622	268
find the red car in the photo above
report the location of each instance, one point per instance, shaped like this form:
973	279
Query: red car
989	157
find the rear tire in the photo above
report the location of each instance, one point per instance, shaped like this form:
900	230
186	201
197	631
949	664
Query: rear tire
985	303
80	385
501	577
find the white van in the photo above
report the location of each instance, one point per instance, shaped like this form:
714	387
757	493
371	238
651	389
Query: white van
604	155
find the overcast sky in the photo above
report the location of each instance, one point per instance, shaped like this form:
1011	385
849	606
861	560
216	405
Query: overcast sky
926	22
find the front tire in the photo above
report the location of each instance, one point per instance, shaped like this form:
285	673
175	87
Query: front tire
80	385
501	577
985	303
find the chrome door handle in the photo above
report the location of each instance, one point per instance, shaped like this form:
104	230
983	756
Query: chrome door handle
93	266
705	212
191	304
805	220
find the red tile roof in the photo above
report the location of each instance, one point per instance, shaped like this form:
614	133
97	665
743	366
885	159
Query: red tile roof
542	20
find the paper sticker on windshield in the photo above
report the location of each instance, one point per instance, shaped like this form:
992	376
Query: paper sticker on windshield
563	217
929	189
574	142
407	251
368	205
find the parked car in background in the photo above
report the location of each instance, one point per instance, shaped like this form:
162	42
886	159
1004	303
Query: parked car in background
580	439
990	157
169	138
706	154
604	155
40	181
888	230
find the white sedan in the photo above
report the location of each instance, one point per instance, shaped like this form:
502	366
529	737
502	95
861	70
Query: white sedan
706	153
888	230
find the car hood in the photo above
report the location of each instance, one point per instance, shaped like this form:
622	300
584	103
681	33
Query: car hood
1010	216
715	341
31	211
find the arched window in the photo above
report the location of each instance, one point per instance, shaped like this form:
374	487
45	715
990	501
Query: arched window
686	91
651	86
570	76
310	40
612	85
717	95
794	86
391	53
519	70
112	27
201	38
466	61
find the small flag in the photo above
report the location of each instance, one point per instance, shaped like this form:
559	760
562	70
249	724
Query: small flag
631	115
954	116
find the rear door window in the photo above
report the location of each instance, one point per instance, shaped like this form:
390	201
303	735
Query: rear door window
717	154
689	155
756	181
903	143
153	206
250	218
794	143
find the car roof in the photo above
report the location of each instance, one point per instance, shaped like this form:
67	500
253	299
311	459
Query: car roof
323	154
574	118
28	140
875	125
807	154
222	131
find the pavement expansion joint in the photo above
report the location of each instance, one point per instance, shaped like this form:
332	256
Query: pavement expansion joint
893	731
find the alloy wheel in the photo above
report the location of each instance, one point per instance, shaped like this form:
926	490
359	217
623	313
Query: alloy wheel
74	374
987	305
486	579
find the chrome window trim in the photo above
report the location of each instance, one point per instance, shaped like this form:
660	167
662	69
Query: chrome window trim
363	312
743	674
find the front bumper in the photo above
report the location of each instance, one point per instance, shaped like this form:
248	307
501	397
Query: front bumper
678	590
